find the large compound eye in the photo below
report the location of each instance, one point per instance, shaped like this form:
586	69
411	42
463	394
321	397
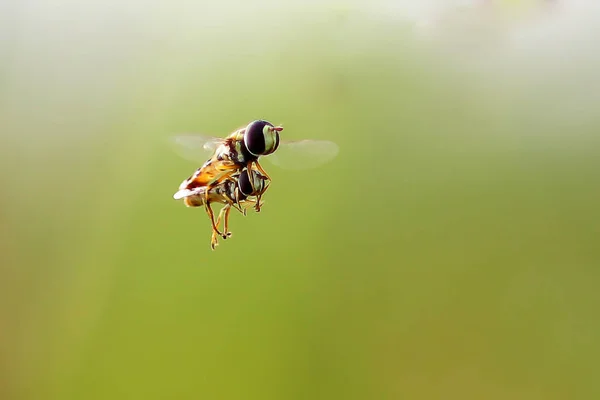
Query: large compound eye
261	137
244	184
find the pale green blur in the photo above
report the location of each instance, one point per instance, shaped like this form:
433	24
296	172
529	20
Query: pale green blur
450	251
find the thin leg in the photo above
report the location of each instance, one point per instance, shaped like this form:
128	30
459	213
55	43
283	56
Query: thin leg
237	204
227	209
224	213
258	203
268	179
261	170
210	213
249	171
214	241
259	198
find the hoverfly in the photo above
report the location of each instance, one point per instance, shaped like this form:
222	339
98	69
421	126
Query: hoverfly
240	151
235	191
245	146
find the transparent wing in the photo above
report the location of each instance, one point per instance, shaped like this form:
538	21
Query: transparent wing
303	154
194	147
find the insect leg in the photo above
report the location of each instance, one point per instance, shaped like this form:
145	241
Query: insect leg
237	204
261	170
259	197
227	209
213	238
258	203
266	178
210	213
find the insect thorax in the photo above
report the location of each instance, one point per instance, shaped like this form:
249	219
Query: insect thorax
237	150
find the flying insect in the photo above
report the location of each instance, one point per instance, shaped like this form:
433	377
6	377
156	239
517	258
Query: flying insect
243	148
216	180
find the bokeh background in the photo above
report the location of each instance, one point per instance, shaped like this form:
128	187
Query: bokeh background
450	251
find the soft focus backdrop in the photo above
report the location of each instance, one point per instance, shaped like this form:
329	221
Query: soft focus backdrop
450	251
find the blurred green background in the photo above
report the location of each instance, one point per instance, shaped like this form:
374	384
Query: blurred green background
450	251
